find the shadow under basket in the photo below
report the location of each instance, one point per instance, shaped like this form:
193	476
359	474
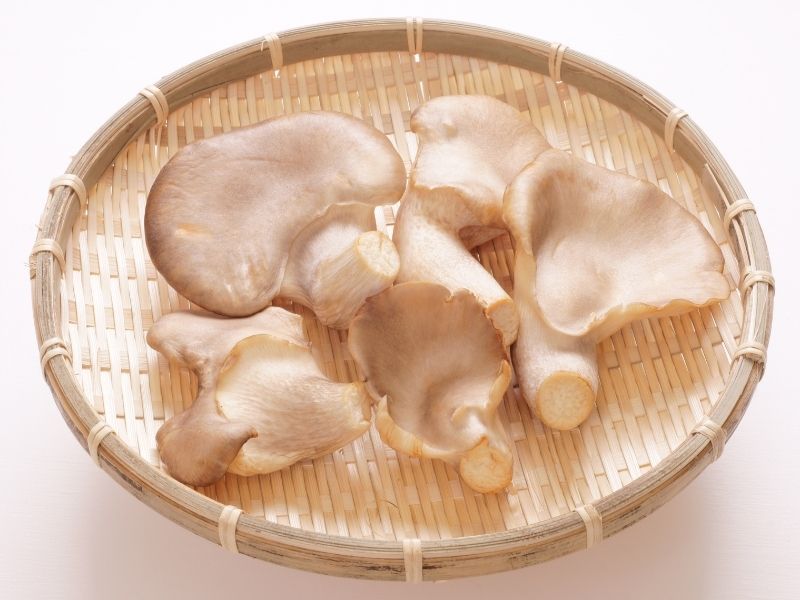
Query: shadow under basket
673	389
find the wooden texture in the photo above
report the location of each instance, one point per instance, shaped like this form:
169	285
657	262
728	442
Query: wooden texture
348	513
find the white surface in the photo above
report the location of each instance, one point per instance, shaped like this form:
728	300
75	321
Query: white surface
70	532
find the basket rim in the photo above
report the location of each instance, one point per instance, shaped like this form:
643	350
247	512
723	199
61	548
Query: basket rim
381	559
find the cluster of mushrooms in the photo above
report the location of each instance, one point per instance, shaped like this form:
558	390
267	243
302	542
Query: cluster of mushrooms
286	209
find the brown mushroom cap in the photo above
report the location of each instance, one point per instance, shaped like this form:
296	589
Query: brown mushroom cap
437	369
470	148
595	249
473	147
223	213
608	247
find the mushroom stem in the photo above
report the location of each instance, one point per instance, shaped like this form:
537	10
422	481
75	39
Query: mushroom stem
431	251
337	263
557	372
368	266
487	468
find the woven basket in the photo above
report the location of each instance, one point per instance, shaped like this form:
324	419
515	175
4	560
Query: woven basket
673	389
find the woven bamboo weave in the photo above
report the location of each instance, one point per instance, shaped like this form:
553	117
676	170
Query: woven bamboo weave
672	389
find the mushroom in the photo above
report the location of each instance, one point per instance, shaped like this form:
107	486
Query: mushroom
595	250
470	148
436	368
224	215
198	445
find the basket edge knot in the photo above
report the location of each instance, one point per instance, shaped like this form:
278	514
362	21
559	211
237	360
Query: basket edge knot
755	351
74	182
715	434
96	435
412	559
671	125
50	348
554	59
735	209
158	100
752	276
273	42
53	247
593	521
228	522
414	27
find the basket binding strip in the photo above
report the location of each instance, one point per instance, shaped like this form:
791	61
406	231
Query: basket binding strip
273	42
333	508
715	434
50	348
751	276
554	60
593	522
228	520
414	35
97	434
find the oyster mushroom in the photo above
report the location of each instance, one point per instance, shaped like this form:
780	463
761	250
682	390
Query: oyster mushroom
200	444
595	250
223	216
470	148
436	368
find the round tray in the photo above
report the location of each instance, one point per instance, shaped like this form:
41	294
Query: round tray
673	389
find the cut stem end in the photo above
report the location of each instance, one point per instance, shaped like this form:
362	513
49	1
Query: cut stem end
564	401
486	469
503	315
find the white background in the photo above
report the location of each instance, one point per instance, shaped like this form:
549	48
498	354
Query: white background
68	531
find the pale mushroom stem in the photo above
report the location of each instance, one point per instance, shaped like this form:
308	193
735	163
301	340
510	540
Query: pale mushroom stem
366	267
486	468
431	252
557	373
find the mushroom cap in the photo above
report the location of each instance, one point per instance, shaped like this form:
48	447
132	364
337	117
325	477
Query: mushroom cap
202	342
472	146
223	213
437	368
275	385
608	248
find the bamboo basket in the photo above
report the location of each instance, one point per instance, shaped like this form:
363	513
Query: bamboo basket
673	389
